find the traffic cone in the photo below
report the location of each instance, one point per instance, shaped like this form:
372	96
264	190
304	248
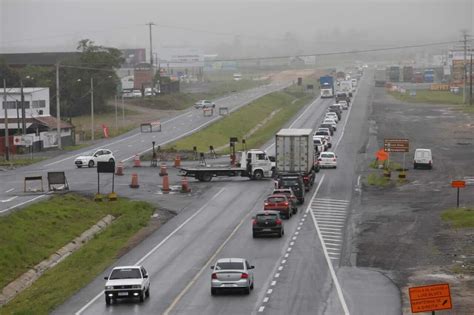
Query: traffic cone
166	184
177	161
134	183
136	161
163	170
184	185
119	169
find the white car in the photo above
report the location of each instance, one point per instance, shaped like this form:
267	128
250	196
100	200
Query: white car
127	282
204	104
423	157
137	93
232	273
344	104
320	143
327	159
332	115
331	122
91	158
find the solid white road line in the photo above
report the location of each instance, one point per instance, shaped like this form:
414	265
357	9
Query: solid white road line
9	199
157	246
315	192
10	190
332	200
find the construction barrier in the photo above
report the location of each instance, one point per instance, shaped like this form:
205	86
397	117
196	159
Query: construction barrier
136	161
134	183
119	169
166	184
177	161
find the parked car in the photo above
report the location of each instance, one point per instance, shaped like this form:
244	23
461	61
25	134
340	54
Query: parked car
232	273
332	115
288	192
267	222
279	203
91	158
295	182
423	158
204	104
327	159
127	282
329	126
137	93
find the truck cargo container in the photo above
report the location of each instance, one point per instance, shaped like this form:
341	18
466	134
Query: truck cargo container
407	74
429	75
394	74
380	77
326	86
294	153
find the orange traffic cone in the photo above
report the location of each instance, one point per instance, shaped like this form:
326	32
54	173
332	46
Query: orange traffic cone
136	161
163	170
119	169
166	184
177	161
184	185
134	183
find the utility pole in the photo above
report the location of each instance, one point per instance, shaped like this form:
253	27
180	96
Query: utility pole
464	33
58	109
92	109
150	24
23	112
7	142
470	81
123	112
116	114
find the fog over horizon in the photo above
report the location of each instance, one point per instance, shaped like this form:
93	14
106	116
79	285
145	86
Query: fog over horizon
229	27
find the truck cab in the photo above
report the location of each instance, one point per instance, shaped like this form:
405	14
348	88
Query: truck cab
256	163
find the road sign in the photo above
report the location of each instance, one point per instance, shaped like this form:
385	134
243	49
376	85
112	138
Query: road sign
430	298
458	184
396	145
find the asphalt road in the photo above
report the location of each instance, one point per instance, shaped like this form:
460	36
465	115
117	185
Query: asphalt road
301	273
12	195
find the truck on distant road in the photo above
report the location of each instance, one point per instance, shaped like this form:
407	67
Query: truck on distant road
407	74
380	77
294	152
394	74
254	164
326	86
429	75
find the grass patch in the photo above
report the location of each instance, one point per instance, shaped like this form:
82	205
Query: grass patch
283	105
33	234
459	217
377	180
75	147
18	162
432	97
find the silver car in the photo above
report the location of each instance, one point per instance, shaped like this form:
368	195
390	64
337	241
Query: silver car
232	273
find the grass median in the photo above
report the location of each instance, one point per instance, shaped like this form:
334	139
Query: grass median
459	217
31	235
256	122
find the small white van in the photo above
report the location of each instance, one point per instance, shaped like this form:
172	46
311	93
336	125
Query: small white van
423	157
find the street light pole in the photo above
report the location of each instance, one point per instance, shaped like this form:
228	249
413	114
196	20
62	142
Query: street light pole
7	142
92	109
116	115
58	109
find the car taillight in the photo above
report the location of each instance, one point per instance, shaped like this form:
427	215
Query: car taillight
430	162
214	275
278	222
265	204
305	177
334	159
254	222
244	276
285	203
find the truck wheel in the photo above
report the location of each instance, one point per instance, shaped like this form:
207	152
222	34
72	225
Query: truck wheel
206	177
258	175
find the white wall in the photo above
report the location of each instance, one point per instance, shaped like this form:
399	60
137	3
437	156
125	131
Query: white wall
31	94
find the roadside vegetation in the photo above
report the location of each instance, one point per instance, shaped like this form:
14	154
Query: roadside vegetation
18	161
459	217
432	97
33	234
256	122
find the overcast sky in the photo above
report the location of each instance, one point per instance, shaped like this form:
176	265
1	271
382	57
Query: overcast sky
57	25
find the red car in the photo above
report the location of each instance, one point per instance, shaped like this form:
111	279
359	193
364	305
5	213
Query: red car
290	194
279	203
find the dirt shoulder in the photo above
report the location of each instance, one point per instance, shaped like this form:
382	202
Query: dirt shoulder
399	228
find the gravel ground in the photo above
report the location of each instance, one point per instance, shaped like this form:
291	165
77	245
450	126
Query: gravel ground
398	228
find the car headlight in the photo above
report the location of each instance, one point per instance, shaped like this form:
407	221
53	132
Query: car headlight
136	286
109	287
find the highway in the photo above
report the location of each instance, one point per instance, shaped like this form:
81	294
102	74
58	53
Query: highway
124	148
305	272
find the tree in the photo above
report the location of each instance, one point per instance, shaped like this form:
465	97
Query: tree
11	76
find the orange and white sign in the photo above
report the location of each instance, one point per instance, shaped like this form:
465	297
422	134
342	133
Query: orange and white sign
430	298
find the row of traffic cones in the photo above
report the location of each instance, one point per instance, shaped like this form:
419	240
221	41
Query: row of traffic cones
166	185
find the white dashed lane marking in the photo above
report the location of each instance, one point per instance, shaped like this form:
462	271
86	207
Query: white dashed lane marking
331	216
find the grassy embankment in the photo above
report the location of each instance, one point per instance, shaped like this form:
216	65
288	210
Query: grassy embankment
278	107
432	97
33	234
459	217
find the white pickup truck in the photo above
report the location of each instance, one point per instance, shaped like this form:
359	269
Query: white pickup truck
127	282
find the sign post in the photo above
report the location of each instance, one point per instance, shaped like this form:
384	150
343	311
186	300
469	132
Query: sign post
458	184
430	298
397	145
105	167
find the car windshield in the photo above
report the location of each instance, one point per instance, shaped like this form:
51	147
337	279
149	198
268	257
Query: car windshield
230	265
265	217
327	155
276	199
129	273
90	153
